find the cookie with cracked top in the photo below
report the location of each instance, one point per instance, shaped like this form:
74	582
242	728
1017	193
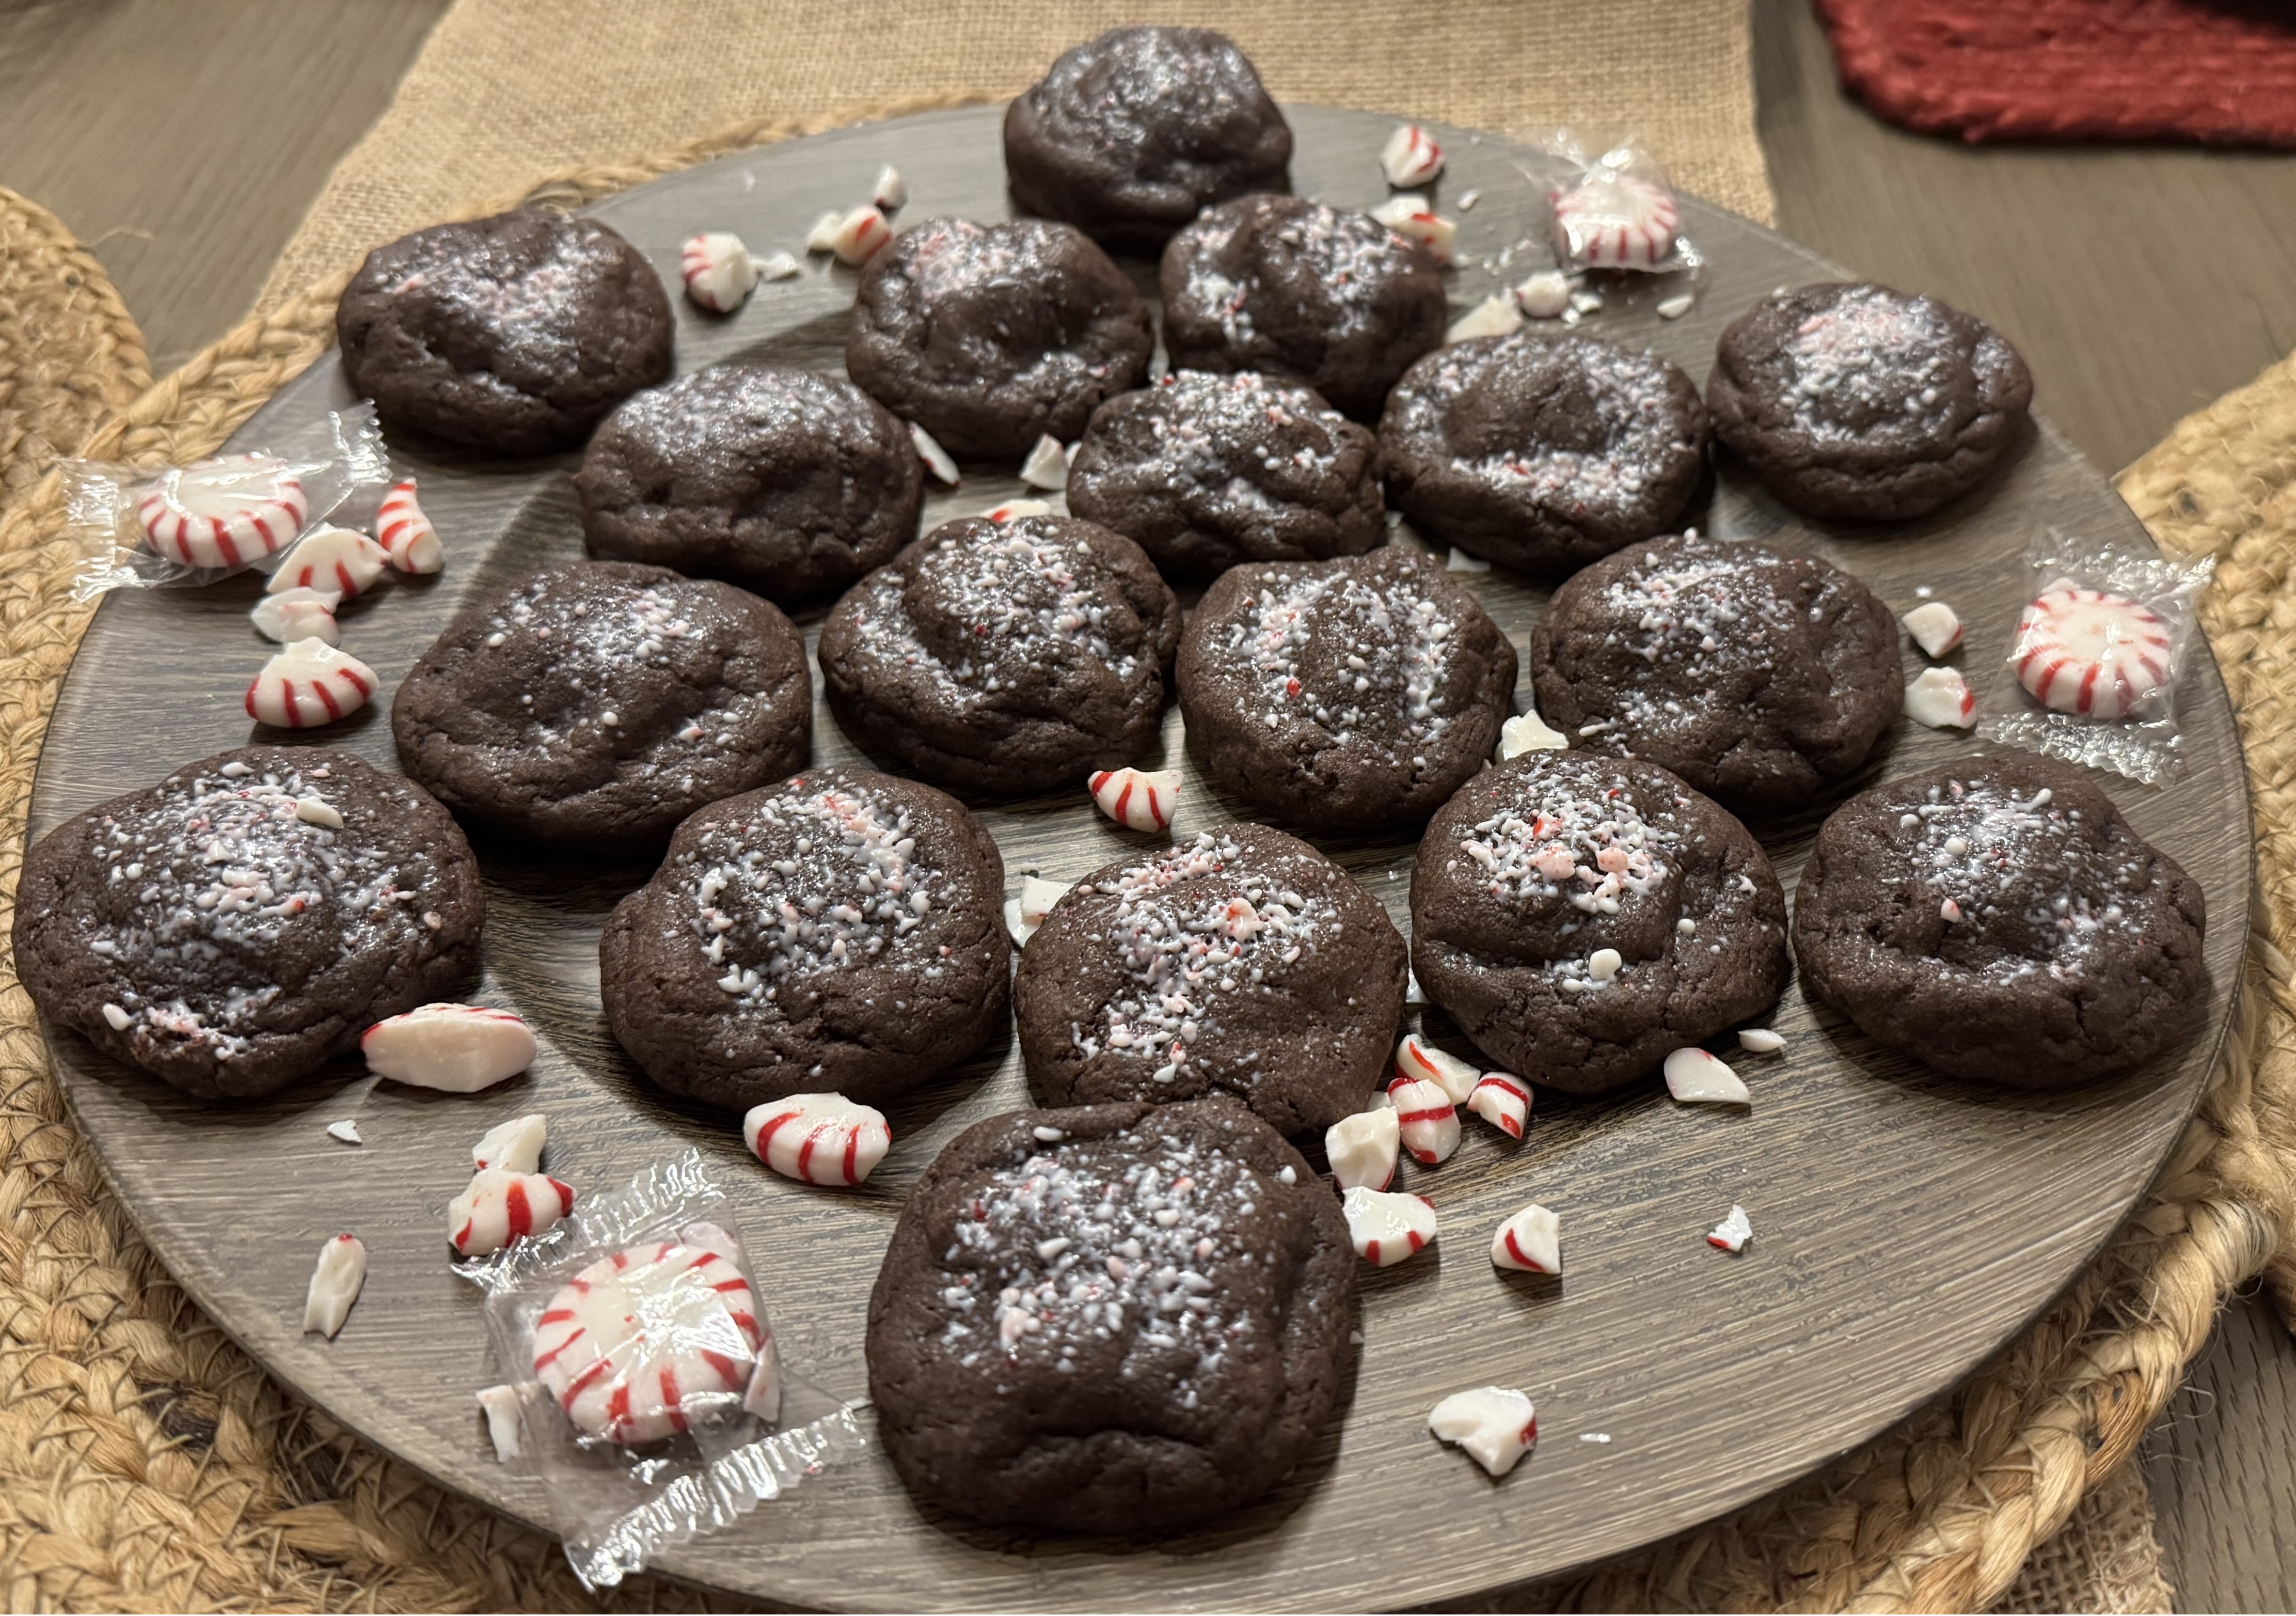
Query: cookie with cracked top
1584	917
596	704
1758	678
1005	657
1854	402
842	932
1130	135
991	336
788	482
1205	472
1307	294
234	927
509	335
1543	453
1345	695
1998	919
1241	961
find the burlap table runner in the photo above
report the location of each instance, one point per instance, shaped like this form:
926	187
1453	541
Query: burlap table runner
144	1463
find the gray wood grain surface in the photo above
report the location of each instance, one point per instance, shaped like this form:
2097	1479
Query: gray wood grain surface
1907	1224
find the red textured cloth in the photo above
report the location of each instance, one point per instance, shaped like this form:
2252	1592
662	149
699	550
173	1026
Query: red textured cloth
2219	72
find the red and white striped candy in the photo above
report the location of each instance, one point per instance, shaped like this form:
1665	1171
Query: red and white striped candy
336	1281
1361	1149
500	1206
408	540
1047	465
1936	627
1425	1117
1503	1100
1940	698
459	1049
891	191
2083	650
937	460
515	1146
718	271
1416	1057
331	559
1012	510
1493	1425
817	1138
1409	216
1611	220
1023	915
1386	1229
307	684
1693	1075
1529	1242
653	1340
1732	1233
297	614
224	513
499	1404
1138	799
1411	156
860	235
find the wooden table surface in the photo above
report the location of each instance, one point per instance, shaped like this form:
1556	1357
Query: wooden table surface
2141	282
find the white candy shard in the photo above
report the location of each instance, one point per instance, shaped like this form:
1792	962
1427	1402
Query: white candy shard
1732	1233
331	558
499	1404
1023	915
1410	157
1012	510
1409	216
1416	1057
1361	1149
719	273
1427	1119
499	1206
1940	698
457	1048
1615	220
822	237
1936	627
935	459
345	1132
1694	1077
1494	317
309	684
655	1339
1604	964
1528	732
297	614
817	1138
1503	1100
860	234
1529	1242
1493	1425
514	1146
1459	561
892	190
1676	307
1386	1229
1760	1040
335	1284
1545	295
1047	465
224	513
408	540
2083	650
1468	198
780	267
118	1019
1138	799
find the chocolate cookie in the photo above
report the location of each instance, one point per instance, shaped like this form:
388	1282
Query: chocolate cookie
841	932
1302	293
1998	919
1116	1318
1204	471
1242	960
788	482
989	336
232	927
1132	135
1007	657
1758	678
509	335
596	704
1543	453
1857	403
1583	918
1344	695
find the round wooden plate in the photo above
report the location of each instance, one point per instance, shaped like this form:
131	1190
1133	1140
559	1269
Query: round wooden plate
1907	1225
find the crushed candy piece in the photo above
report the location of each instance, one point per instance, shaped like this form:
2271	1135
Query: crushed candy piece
1047	465
1410	157
817	1138
1674	307
1493	1425
224	513
1427	1119
822	237
891	191
1760	1040
408	540
936	459
1012	510
1732	1233
719	273
1940	698
1694	1077
1503	1100
1409	216
1361	1149
860	235
459	1049
334	559
1023	915
1494	317
1529	1242
2083	650
1416	1057
499	1404
1138	799
297	614
335	1284
345	1132
1544	296
1528	732
1459	561
1935	626
514	1146
307	683
779	267
1385	1228
499	1206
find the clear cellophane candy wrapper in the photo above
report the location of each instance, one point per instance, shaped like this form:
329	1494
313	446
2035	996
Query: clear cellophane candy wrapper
651	1432
2128	611
307	473
1617	211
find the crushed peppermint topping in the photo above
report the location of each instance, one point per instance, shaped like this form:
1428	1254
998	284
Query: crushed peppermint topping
1871	358
1702	615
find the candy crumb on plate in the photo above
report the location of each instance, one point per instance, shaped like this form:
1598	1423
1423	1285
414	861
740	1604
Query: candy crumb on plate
1361	1149
1459	561
891	191
1493	1425
1387	1228
1528	732
936	459
1732	1233
335	1284
1409	215
297	614
1416	1057
499	1404
1503	1100
1935	626
1694	1077
515	1146
1531	1242
1495	316
1940	698
1023	915
458	1048
345	1132
1410	157
1760	1040
1543	296
1047	465
719	273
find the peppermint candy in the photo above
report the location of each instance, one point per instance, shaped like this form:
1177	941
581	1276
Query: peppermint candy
1697	1078
1409	216
1940	698
499	1404
1410	157
1494	317
1732	1233
2087	651
1023	915
860	235
499	1206
1047	465
718	271
1544	296
307	684
1936	627
1614	220
1503	1100
936	459
1012	510
224	513
1426	1119
1416	1057
822	237
817	1138
297	614
1493	1425
1528	732
1760	1040
1529	1242
1138	800
458	1049
514	1146
336	1281
408	540
331	558
1386	1229
891	191
1361	1149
